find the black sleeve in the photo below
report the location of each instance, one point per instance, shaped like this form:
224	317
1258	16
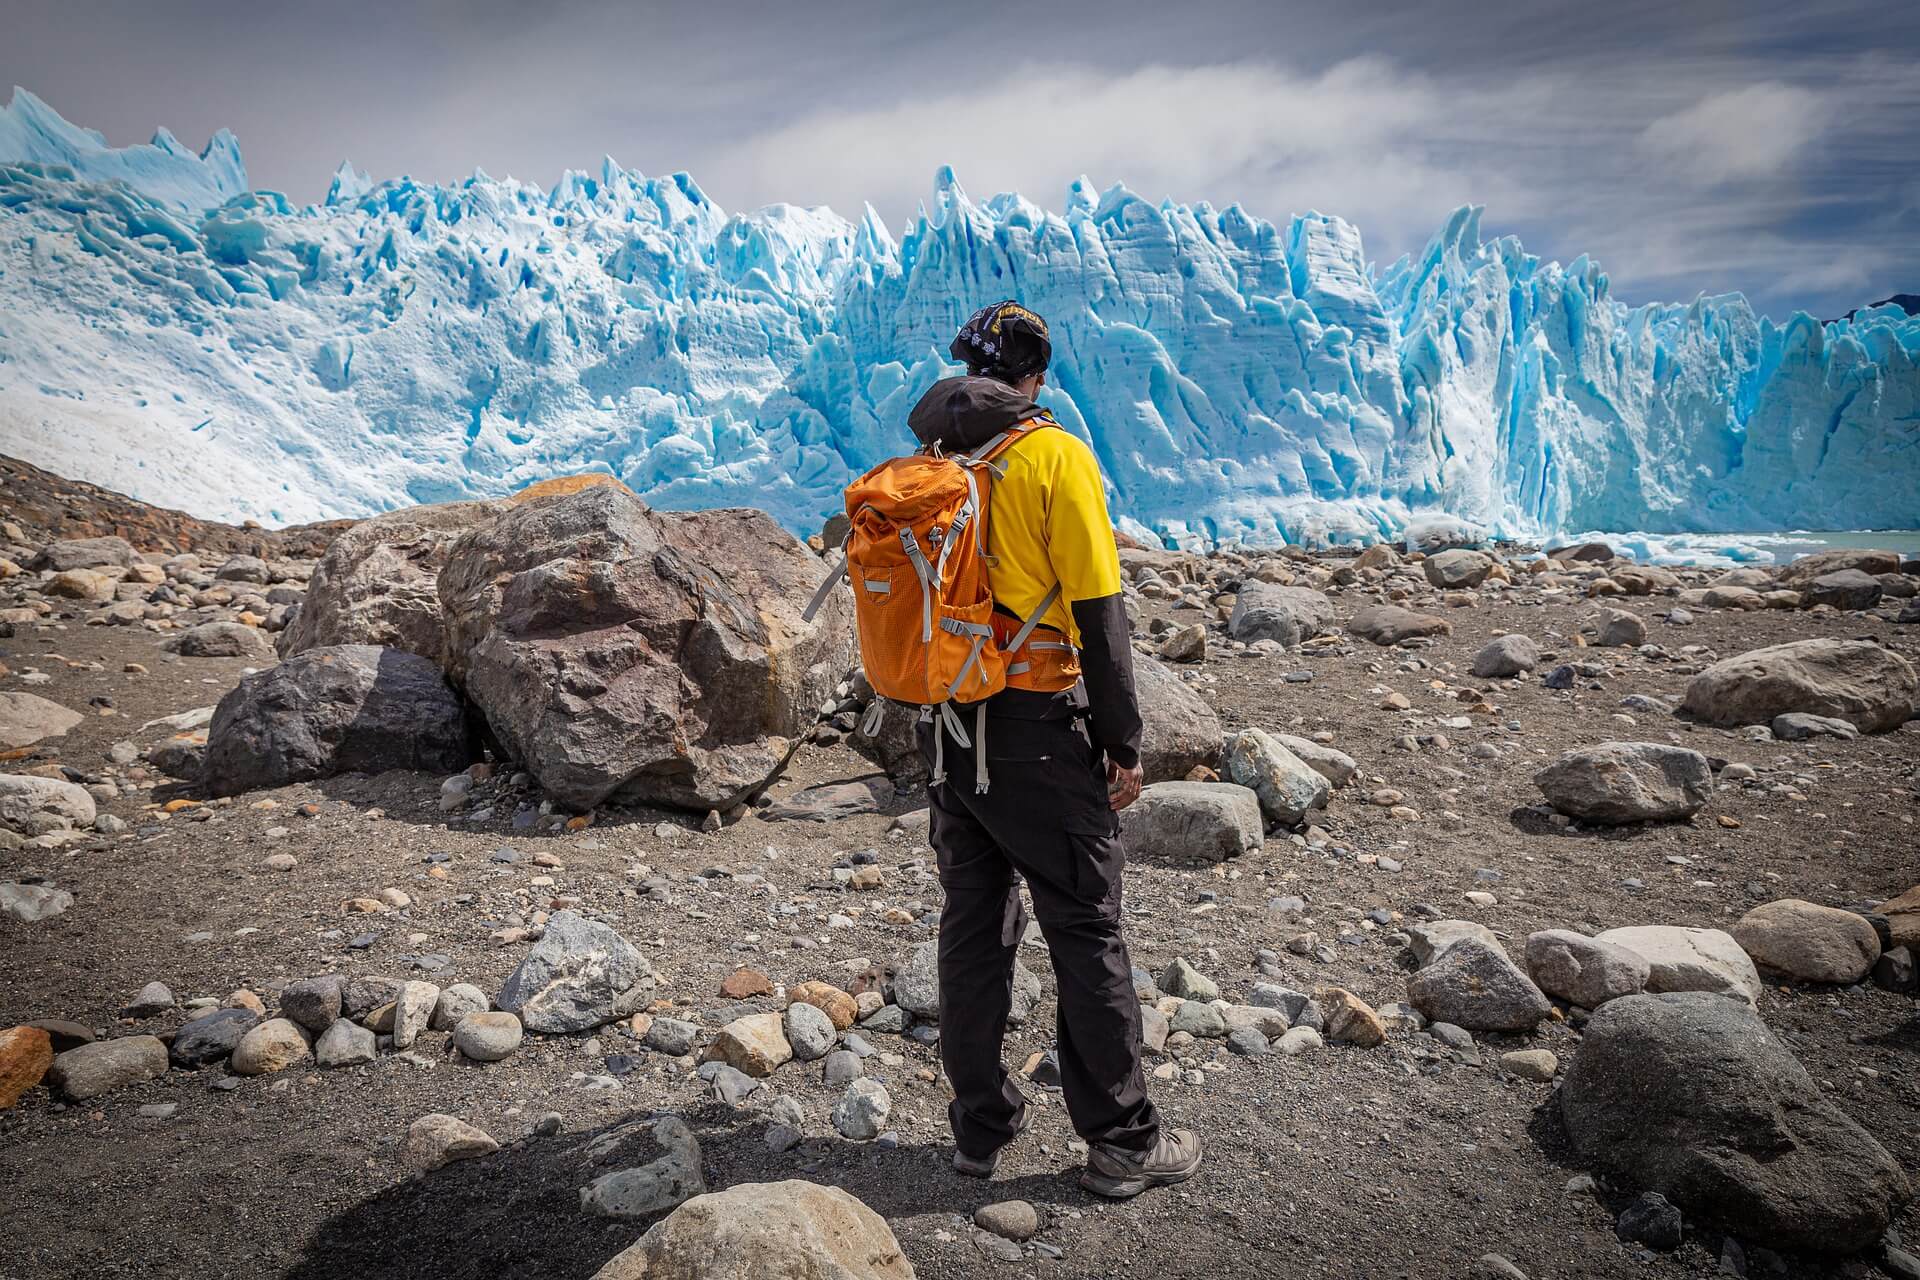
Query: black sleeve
1106	664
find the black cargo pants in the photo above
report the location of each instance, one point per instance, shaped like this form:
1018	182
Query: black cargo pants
1044	817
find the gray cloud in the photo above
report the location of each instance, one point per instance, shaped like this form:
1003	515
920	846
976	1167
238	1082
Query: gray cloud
1765	147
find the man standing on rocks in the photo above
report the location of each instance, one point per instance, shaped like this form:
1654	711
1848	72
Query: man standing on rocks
1064	757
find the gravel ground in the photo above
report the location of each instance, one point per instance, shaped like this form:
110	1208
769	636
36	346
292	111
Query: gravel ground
1401	1161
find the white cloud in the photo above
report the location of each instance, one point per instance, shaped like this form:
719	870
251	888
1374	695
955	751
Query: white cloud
1750	132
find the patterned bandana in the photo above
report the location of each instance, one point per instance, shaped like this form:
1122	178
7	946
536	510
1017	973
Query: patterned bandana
1004	341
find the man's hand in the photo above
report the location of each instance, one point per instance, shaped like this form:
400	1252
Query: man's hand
1123	785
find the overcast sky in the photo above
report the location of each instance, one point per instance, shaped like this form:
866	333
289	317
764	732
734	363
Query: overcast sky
1688	145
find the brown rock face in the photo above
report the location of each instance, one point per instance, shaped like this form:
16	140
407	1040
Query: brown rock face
624	653
25	1055
1349	1019
840	1007
561	486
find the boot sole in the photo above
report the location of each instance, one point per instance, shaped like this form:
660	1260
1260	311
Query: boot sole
1126	1188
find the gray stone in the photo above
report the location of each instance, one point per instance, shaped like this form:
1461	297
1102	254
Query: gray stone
106	1065
1478	987
1872	688
1287	788
1808	942
916	984
1508	655
1584	971
487	1037
26	718
436	1140
210	1038
1010	1219
1154	1029
1207	821
580	975
841	1067
270	1046
244	568
1799	726
663	1183
348	709
862	1110
1200	1020
1389	624
314	1003
1684	959
84	553
671	1036
809	1031
1337	767
412	1011
345	1044
1653	1221
1181	979
150	1001
34	806
625	654
1428	938
1621	782
1179	731
1458	570
1843	589
455	1003
1300	1040
1285	615
221	640
1691	1095
1618	628
32	903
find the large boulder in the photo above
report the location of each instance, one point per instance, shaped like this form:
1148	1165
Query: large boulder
1803	571
1458	570
625	654
26	718
343	709
1213	821
1683	959
1285	615
1618	782
1842	589
1584	971
1387	624
790	1230
1508	655
1691	1095
221	640
378	582
1287	786
1808	942
580	975
1873	688
1179	731
34	806
84	553
1476	985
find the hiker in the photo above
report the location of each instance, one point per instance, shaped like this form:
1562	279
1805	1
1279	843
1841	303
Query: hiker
1062	742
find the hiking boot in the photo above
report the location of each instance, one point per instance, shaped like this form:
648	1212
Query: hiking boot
1117	1173
983	1166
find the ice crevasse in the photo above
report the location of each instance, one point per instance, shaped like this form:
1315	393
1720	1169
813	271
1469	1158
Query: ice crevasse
170	332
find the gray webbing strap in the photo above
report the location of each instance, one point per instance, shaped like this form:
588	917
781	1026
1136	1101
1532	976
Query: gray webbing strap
826	588
980	747
928	585
1033	620
870	722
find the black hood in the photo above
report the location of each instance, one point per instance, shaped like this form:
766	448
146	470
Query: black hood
961	414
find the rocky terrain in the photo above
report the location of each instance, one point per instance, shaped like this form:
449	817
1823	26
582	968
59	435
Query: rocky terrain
461	901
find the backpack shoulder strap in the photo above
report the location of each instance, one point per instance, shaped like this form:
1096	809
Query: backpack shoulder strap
1005	440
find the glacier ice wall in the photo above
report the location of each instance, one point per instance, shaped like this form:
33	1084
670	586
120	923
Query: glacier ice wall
166	331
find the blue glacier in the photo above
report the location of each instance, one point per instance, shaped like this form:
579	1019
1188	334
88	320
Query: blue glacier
170	332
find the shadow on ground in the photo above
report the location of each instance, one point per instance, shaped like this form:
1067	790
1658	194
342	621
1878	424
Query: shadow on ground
517	1211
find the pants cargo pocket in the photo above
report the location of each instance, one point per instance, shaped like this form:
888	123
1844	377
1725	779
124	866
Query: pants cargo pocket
1093	842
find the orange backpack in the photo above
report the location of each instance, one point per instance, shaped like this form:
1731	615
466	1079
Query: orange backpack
917	560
